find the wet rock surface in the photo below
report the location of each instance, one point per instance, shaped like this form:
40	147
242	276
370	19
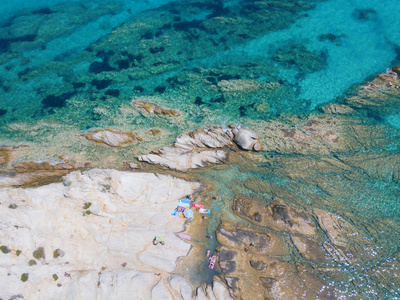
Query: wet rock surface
6	154
152	108
381	96
338	242
324	135
30	173
314	203
277	216
250	272
339	109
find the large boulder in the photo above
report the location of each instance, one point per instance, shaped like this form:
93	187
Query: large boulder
247	139
214	137
112	137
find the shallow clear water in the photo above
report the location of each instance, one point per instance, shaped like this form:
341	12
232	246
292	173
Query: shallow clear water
68	67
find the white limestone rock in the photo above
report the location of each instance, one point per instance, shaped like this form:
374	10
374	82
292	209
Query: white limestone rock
180	284
112	137
210	138
181	159
108	252
201	295
247	139
196	149
214	291
161	291
221	291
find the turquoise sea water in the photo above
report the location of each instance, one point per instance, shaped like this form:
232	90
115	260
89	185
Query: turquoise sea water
69	67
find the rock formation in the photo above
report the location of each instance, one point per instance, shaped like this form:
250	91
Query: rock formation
112	137
97	228
31	173
261	272
324	134
339	109
152	108
203	147
380	96
6	154
278	216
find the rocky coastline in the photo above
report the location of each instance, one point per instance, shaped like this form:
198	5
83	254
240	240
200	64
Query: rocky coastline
293	221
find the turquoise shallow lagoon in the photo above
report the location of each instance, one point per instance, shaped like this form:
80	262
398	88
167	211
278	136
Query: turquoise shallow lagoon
70	67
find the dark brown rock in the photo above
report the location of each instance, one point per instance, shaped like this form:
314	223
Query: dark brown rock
258	265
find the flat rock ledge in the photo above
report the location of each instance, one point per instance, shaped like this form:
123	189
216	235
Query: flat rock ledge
98	227
203	147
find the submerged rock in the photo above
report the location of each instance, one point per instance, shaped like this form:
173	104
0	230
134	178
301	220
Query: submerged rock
266	243
256	274
339	109
311	249
153	108
324	134
380	96
7	154
346	242
380	165
278	216
112	137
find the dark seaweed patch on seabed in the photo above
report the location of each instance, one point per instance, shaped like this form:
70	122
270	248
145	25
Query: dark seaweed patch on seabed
56	101
101	84
43	11
367	14
5	44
